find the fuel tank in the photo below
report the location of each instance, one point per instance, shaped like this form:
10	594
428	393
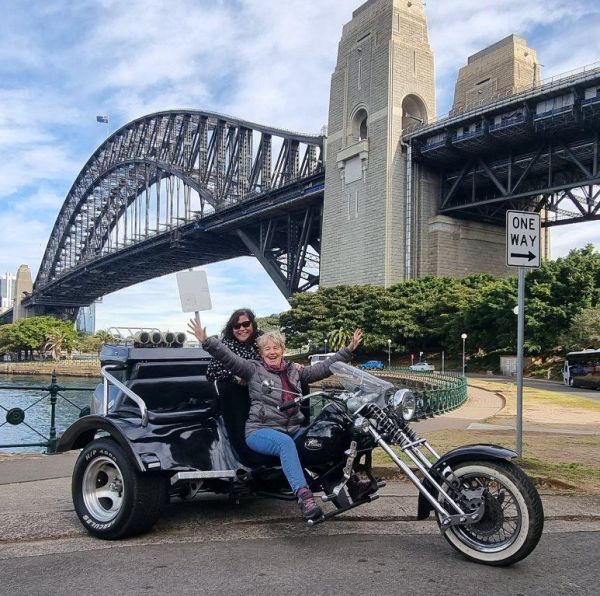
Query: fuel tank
326	438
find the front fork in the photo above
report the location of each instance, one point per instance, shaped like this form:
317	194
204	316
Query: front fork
411	446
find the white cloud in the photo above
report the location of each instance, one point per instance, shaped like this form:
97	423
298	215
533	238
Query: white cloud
235	284
62	63
566	238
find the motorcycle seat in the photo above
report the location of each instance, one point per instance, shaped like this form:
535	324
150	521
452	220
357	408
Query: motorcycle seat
235	406
175	399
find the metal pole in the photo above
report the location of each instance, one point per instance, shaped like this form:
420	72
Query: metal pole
442	361
389	343
53	389
520	342
463	357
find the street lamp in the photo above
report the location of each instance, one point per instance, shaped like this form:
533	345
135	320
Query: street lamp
389	353
325	345
463	337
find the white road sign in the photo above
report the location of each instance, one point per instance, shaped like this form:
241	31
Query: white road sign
523	239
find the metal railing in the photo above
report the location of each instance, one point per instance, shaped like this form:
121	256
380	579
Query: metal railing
51	394
437	393
577	75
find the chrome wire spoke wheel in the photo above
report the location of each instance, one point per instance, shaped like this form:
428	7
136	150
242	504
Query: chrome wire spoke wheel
499	527
102	489
513	516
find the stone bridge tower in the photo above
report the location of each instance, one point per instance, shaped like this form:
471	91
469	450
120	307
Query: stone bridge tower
383	82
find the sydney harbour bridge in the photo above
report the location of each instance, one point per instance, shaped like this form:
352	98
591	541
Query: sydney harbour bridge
178	189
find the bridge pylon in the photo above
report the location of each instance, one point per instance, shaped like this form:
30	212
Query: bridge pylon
383	82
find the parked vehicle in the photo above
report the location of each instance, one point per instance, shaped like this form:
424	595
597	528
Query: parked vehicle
314	358
159	430
582	369
372	365
422	367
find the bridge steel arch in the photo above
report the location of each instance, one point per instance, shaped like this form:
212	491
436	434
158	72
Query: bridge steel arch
158	181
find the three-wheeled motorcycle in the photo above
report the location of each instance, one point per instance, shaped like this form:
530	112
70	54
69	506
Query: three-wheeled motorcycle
158	429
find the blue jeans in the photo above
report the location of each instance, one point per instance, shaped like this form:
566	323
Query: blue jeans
273	442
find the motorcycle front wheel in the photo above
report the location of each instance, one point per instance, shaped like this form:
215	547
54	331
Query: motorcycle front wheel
513	520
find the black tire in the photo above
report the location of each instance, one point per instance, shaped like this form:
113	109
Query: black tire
111	498
528	515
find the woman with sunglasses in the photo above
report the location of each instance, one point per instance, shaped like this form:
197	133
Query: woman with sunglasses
239	335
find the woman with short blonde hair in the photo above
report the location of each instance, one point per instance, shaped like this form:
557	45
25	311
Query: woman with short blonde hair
269	430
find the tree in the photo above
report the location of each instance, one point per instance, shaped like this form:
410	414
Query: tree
32	334
268	323
584	331
338	338
55	344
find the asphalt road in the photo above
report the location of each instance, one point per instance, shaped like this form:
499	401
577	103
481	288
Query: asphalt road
563	563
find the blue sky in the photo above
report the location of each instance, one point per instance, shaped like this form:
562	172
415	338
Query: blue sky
62	63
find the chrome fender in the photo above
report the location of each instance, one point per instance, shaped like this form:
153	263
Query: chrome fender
457	456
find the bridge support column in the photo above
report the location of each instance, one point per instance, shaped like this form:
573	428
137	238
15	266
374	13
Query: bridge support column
382	84
287	248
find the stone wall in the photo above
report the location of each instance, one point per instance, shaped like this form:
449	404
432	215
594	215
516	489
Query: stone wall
507	67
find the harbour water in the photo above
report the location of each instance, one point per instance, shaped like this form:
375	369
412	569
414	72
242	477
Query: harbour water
36	405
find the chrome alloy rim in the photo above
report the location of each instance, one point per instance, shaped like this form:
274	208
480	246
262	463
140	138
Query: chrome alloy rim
102	489
501	523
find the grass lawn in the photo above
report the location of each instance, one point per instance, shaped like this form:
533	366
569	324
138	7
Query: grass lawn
551	458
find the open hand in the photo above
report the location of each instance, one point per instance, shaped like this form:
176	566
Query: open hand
195	328
356	340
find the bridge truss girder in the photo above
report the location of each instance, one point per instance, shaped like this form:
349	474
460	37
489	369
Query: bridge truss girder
162	172
288	248
560	177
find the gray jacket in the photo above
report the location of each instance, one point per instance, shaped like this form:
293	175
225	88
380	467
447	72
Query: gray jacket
263	407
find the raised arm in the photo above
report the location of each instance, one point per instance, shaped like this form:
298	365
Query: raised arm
320	370
236	364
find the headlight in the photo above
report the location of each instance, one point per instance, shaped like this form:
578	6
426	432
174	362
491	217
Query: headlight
404	404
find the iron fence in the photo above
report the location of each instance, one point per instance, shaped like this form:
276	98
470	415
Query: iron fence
52	395
437	393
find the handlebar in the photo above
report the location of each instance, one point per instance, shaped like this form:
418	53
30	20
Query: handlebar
298	400
287	406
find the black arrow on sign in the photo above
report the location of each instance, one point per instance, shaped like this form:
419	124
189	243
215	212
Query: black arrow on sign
530	256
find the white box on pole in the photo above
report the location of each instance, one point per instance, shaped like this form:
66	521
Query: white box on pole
193	291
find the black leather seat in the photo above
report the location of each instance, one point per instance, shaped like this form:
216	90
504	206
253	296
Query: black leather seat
175	399
235	405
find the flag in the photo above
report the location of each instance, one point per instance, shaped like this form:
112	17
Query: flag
102	119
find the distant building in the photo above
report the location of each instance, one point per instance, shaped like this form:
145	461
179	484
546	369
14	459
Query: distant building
7	291
23	287
86	319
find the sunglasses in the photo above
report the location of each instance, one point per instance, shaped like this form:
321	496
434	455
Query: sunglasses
244	324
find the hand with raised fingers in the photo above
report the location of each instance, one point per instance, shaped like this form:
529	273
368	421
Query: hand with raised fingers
356	339
195	328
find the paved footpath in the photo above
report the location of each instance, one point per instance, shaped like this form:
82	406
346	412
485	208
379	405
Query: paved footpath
37	516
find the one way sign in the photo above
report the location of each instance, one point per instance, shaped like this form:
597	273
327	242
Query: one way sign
522	239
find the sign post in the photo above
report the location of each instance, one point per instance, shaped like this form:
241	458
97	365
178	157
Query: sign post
523	231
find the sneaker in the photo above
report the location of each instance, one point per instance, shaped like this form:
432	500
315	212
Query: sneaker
309	507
